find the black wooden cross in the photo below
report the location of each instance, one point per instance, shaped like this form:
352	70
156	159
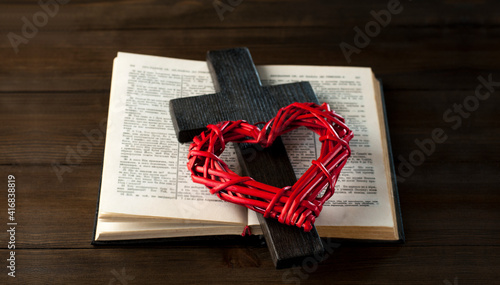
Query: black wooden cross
241	96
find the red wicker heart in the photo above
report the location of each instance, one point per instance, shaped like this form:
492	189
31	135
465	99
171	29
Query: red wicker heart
297	205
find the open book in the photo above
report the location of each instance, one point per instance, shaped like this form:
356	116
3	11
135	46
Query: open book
146	189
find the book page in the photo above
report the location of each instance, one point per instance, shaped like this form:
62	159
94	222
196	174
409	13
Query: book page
361	194
145	170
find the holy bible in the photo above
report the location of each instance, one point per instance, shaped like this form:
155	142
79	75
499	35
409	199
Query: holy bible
146	190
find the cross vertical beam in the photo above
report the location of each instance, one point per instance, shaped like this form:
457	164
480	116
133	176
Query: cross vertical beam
241	96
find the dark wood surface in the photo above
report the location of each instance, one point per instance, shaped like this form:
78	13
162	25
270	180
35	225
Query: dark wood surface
429	57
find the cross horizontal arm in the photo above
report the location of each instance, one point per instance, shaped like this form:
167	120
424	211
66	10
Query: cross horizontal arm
191	115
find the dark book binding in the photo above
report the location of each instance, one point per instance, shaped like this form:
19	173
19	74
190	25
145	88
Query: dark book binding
397	206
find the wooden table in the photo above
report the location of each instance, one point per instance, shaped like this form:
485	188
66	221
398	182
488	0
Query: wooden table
429	56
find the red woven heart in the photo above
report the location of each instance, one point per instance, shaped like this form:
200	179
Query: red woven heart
297	205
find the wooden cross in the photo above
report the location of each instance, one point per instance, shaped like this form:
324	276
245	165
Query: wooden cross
241	96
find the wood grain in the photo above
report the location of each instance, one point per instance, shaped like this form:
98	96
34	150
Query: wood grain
429	58
379	265
82	61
